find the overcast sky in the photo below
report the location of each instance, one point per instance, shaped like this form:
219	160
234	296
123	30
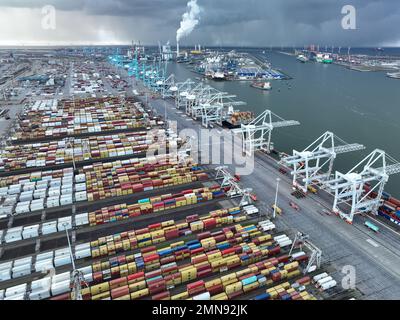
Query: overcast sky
222	22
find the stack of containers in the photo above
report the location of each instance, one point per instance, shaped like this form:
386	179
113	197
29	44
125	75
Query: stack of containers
16	157
89	116
283	240
121	178
39	190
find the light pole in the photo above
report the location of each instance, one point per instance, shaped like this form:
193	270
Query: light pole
276	196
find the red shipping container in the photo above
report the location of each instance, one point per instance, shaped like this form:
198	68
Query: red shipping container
153	274
167	260
142	231
116	283
235	265
204	273
285	258
136	277
149	249
196	251
155	226
196	284
150	258
161	296
196	291
203	267
220	238
276	276
65	296
217	289
157	289
119	292
97	277
197	260
235	295
302	258
229	251
203	235
304	280
172	234
274	251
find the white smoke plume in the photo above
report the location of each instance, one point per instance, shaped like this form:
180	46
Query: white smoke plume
190	20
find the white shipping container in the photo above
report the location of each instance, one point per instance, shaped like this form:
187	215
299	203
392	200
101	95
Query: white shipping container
328	285
60	288
320	276
44	265
40	295
16	290
62	261
49	227
5	274
20	271
81	219
204	296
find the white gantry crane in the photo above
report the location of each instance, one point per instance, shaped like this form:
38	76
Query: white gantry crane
302	239
167	87
181	90
314	164
360	190
235	189
257	134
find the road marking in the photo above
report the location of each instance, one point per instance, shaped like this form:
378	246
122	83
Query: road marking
188	119
373	243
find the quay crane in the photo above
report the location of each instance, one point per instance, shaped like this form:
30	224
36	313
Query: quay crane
315	163
361	188
257	134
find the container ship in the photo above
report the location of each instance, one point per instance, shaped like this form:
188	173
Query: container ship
394	75
261	85
236	119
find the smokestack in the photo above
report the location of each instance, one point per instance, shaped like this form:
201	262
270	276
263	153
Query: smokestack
177	49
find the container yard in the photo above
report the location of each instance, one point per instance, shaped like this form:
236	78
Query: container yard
76	175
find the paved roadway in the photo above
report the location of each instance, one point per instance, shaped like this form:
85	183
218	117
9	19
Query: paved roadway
375	257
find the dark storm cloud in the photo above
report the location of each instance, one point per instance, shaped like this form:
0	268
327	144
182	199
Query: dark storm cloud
246	22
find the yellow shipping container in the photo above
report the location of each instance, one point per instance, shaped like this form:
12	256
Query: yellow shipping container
139	294
250	287
234	287
145	244
101	296
294	273
212	283
180	296
221	296
133	287
291	265
99	288
214	256
228	277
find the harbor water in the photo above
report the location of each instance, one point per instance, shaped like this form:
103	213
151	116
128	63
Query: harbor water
362	107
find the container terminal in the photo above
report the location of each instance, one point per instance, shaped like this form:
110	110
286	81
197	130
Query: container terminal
102	199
